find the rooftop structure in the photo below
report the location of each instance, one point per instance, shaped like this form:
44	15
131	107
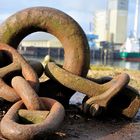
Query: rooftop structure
54	43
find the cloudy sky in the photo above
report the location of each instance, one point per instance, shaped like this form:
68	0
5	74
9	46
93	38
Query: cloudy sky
81	10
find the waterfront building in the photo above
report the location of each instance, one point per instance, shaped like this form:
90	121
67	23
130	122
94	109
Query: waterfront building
117	21
55	43
100	20
111	24
130	50
51	47
40	47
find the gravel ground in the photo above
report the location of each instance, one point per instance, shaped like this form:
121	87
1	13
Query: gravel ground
77	126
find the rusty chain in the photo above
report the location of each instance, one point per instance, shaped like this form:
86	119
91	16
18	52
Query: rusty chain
59	24
10	127
44	115
18	63
14	29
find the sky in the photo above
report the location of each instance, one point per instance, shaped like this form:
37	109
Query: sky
131	13
81	10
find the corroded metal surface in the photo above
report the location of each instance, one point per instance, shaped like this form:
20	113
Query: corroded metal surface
11	129
57	23
83	85
54	89
7	92
48	114
26	93
32	116
127	101
37	67
72	37
99	94
18	63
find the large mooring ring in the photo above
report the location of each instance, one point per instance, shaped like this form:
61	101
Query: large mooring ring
53	21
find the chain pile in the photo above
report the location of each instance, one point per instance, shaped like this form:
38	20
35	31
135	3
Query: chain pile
34	115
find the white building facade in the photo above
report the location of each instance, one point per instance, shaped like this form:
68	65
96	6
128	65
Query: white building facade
53	43
117	20
100	20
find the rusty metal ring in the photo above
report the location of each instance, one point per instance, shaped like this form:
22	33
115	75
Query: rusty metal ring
11	129
53	21
18	63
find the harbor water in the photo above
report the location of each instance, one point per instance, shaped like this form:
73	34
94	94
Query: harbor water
108	62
